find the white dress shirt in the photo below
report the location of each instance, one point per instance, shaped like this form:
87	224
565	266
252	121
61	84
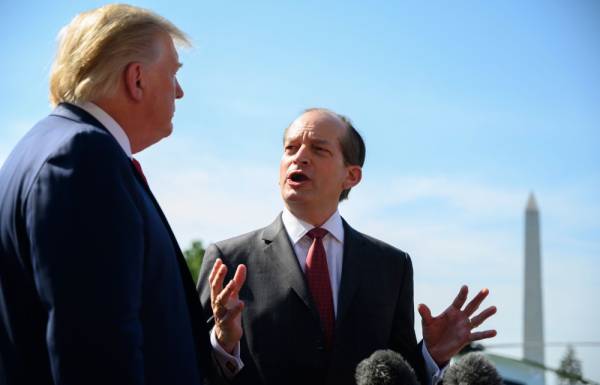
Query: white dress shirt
110	124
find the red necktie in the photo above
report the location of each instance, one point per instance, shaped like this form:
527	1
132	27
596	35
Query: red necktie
138	168
317	275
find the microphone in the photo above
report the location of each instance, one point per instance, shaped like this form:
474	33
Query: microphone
385	367
472	369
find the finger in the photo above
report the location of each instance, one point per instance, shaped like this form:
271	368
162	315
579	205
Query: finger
214	269
475	302
220	303
481	317
425	313
216	286
231	291
482	335
217	281
240	277
225	294
461	297
217	269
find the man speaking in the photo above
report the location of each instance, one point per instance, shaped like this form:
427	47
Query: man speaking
321	296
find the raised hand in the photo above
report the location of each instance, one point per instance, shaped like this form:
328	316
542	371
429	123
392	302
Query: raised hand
446	334
226	305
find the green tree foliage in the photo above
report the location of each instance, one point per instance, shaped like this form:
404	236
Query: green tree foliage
569	372
193	257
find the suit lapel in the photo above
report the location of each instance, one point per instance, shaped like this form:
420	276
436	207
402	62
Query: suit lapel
189	285
351	270
199	328
282	259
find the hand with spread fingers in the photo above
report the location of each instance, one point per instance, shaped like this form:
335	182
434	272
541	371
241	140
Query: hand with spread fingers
226	305
446	334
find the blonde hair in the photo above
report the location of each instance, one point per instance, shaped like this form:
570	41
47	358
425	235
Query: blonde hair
96	46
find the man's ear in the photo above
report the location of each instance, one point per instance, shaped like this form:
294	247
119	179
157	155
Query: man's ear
353	176
133	81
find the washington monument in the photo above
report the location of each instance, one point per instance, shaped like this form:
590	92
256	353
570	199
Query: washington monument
533	334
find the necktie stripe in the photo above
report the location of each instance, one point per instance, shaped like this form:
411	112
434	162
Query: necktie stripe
317	276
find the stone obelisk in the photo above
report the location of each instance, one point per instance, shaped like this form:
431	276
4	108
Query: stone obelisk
533	334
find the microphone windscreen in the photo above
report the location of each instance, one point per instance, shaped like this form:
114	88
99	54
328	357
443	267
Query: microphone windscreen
472	369
385	367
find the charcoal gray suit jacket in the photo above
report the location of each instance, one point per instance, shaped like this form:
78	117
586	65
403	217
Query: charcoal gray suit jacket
283	342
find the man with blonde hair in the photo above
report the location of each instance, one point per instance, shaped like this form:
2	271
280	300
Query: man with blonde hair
93	286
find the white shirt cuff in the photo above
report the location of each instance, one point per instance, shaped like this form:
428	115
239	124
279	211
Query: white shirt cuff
231	364
434	373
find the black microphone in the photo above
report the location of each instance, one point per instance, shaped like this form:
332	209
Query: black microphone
385	367
472	369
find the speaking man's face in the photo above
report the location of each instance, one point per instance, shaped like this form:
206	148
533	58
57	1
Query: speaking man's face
312	172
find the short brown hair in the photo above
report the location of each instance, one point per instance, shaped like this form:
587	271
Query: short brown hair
353	146
95	47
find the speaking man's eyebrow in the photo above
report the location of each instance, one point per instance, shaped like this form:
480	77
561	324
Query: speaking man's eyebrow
320	141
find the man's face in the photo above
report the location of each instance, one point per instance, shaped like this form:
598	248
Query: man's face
162	88
312	173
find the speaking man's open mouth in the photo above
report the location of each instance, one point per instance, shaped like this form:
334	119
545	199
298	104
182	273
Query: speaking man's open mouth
297	178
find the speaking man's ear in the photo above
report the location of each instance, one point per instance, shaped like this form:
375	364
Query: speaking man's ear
134	85
353	176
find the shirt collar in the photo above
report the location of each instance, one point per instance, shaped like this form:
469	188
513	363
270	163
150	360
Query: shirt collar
110	124
297	228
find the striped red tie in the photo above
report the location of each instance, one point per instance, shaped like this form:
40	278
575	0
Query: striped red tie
317	275
138	168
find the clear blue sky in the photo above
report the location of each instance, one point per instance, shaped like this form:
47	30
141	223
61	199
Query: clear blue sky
465	106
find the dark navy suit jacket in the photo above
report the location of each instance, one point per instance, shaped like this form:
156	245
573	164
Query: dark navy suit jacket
93	286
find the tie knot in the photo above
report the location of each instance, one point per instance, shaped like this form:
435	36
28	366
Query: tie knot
317	233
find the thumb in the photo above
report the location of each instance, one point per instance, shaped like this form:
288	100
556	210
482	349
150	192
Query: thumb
425	313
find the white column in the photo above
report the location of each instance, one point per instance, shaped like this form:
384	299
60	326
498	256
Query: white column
533	334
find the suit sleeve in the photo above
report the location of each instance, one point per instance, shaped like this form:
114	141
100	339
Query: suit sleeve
403	335
87	247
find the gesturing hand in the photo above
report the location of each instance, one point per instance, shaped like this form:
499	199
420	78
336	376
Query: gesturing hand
446	334
226	305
